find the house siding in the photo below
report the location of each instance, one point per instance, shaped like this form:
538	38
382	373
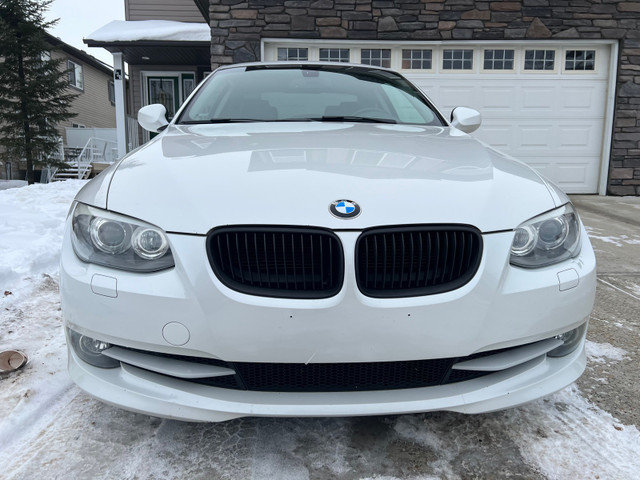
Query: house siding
92	106
237	28
177	10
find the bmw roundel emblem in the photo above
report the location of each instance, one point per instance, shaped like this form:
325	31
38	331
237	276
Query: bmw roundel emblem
344	209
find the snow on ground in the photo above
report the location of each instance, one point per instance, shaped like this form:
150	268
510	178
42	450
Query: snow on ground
600	352
50	429
31	227
618	241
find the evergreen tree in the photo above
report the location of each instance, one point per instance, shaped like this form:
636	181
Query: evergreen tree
33	85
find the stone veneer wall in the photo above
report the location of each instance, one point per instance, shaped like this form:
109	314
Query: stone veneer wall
238	25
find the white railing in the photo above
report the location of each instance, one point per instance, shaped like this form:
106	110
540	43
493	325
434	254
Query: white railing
96	150
57	156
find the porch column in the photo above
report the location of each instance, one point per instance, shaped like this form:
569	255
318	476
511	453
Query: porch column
121	108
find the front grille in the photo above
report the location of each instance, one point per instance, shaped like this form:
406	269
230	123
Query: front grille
419	260
340	377
284	262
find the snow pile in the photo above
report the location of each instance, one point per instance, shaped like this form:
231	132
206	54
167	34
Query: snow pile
162	30
31	229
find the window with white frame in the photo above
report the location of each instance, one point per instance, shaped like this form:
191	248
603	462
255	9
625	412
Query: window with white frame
380	57
417	59
75	74
539	59
293	54
498	59
580	60
334	55
458	59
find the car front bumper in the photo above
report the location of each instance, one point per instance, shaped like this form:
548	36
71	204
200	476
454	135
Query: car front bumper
187	311
146	392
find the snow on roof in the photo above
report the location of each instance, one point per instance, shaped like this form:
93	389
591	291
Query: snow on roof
164	30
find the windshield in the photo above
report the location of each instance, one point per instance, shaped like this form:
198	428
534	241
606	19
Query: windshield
275	93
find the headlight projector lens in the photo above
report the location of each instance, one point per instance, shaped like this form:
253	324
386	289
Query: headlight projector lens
109	236
149	243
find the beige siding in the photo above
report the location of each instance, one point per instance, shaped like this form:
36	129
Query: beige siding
92	106
178	10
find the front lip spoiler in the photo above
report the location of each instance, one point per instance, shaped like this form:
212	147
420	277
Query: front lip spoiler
146	392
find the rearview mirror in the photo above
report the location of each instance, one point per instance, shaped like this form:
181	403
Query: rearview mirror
153	117
466	119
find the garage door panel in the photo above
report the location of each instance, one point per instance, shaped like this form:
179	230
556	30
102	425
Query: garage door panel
497	100
499	136
534	137
576	176
538	99
580	100
448	97
578	139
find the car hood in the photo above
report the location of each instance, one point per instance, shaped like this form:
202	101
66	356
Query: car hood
192	178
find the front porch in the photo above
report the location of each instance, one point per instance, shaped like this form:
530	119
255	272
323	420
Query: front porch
165	61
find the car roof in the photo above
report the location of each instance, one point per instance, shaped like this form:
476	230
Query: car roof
306	64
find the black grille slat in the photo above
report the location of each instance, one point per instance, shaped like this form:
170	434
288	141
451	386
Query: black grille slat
285	262
443	257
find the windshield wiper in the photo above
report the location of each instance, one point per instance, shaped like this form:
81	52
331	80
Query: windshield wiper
354	118
221	120
326	118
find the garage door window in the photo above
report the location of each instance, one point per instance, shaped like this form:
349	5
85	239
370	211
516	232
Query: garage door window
580	60
417	59
380	57
293	54
498	59
457	59
334	55
539	59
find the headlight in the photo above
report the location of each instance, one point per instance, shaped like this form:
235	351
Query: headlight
547	239
116	241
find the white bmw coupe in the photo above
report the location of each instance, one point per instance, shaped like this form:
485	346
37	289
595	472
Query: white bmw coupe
317	240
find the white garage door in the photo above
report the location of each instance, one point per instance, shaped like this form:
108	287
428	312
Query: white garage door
544	103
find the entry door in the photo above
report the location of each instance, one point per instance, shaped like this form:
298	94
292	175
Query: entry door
164	90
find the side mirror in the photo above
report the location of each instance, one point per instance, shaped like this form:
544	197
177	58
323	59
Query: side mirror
153	117
466	119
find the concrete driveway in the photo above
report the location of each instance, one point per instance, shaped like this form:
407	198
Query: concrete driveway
613	224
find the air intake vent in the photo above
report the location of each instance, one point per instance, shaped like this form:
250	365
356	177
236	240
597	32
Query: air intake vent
417	260
285	262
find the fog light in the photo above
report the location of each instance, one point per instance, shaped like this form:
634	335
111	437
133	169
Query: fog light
571	340
90	350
